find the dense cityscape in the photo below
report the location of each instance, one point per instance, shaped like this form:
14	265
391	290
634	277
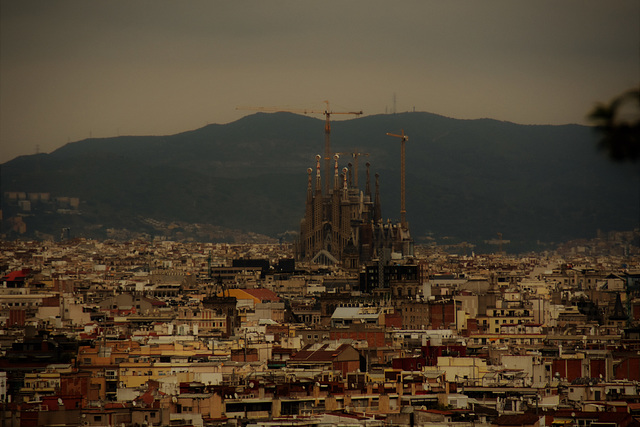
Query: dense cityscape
319	214
352	323
169	333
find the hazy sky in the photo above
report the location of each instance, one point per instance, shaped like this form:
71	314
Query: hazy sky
74	69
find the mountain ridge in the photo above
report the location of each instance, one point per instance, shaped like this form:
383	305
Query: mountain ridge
466	178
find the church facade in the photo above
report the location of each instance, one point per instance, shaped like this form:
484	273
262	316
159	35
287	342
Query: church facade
345	226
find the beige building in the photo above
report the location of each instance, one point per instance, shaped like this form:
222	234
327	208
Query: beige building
468	370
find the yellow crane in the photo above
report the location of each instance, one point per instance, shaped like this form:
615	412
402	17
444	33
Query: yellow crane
403	211
327	112
355	155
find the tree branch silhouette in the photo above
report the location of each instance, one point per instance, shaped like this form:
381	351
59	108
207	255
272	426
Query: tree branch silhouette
618	123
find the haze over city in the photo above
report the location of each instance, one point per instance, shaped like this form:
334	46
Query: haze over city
457	245
72	70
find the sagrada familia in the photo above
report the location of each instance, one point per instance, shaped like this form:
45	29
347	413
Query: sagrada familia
344	226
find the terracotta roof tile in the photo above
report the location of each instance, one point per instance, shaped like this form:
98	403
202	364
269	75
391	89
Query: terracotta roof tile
264	295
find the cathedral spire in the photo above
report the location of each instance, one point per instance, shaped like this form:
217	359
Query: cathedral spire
336	176
309	188
344	179
318	179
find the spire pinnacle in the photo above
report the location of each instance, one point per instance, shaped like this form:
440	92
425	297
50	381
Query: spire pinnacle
336	176
318	179
309	188
344	178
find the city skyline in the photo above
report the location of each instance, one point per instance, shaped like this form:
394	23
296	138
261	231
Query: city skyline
120	332
73	70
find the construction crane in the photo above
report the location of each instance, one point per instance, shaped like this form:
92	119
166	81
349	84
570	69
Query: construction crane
327	130
355	154
403	211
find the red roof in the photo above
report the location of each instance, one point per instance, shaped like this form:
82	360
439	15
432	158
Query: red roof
154	302
116	405
264	295
149	397
18	275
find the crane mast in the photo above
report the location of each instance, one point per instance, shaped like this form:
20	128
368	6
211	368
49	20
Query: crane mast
403	211
327	131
